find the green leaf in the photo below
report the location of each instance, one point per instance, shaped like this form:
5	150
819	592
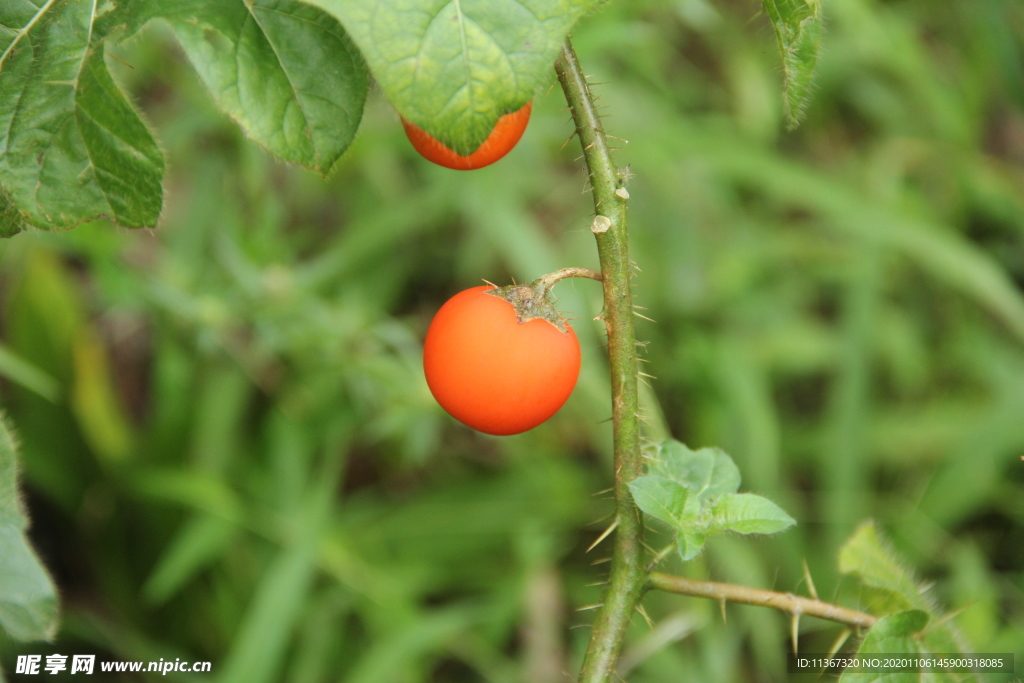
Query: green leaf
894	587
708	473
891	634
72	148
453	67
94	399
746	513
798	25
661	498
19	370
28	602
200	541
690	543
266	630
197	490
285	71
410	640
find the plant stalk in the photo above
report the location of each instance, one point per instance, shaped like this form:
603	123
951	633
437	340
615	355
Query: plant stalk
786	602
628	575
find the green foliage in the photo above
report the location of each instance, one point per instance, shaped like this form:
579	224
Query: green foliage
286	72
746	513
838	308
798	28
73	146
906	633
28	602
709	472
894	633
694	493
892	585
454	68
16	369
892	590
662	499
74	149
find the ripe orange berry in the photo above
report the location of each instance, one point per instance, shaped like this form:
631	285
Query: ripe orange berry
493	373
503	138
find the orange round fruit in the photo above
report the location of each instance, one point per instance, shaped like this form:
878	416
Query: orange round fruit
503	138
493	373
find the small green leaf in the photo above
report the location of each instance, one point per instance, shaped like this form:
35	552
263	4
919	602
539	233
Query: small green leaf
453	67
28	602
746	513
708	473
72	148
690	543
661	498
894	586
894	633
890	588
706	478
285	71
798	25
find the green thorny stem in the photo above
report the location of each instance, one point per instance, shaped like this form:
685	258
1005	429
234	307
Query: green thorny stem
628	575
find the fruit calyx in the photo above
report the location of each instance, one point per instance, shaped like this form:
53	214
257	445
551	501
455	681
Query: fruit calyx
535	301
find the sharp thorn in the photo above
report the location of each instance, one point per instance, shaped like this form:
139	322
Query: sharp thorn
607	532
643	613
810	582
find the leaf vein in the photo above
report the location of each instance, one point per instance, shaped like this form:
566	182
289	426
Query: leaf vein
24	31
284	69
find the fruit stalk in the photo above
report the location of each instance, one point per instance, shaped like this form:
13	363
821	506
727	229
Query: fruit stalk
546	282
628	574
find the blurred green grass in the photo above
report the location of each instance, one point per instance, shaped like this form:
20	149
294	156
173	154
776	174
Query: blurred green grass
231	454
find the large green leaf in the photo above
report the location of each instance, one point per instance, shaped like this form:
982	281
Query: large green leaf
28	602
454	67
285	71
71	146
798	28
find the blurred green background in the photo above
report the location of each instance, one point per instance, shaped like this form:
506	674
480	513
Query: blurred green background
230	453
